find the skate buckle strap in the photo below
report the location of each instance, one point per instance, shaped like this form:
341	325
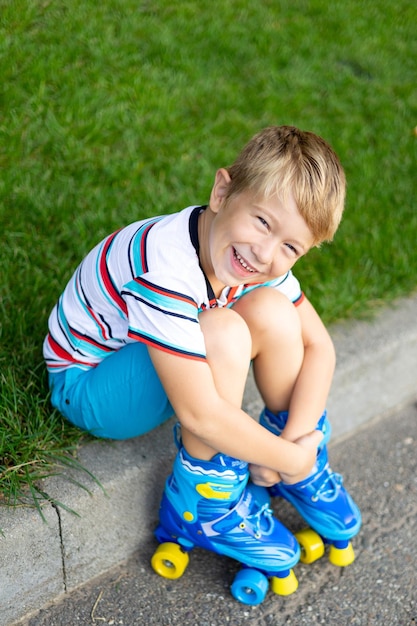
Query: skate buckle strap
212	491
329	488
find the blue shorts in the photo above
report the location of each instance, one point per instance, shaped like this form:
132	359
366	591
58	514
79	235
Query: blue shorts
120	398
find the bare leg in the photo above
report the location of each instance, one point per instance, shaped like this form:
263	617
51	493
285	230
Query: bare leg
228	346
277	346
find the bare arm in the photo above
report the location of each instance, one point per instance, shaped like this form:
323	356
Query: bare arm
223	427
311	390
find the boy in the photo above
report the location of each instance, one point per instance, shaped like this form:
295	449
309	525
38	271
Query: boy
166	316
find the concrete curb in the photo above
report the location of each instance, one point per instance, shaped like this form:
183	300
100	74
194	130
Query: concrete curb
376	373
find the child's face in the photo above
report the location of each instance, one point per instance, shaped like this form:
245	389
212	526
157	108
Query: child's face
253	240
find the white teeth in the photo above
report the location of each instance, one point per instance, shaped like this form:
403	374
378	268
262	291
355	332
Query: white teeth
243	263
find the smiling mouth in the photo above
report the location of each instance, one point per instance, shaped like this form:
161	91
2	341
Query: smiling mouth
243	263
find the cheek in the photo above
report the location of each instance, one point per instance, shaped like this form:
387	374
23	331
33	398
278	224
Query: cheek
282	265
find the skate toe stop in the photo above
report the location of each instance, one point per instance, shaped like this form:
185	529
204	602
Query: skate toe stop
341	556
284	586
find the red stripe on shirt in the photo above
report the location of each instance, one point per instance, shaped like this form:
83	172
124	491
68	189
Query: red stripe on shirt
165	348
108	283
63	354
143	248
174	294
299	300
91	341
98	322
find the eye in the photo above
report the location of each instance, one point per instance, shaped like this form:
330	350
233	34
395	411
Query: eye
263	222
293	250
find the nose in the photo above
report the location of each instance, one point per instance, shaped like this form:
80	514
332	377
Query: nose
265	251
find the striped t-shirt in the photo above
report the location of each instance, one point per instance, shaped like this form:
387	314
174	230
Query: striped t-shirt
142	283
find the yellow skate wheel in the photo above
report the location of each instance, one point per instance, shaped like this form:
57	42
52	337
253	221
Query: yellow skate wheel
341	556
284	586
311	544
169	560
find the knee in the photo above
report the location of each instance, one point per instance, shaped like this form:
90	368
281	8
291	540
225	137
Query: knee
266	309
225	331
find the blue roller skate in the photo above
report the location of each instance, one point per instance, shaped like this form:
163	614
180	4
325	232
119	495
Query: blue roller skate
321	500
207	504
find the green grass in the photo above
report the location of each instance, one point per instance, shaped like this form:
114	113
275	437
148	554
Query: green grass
34	448
118	110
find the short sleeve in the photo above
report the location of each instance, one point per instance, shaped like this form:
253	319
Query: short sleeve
163	312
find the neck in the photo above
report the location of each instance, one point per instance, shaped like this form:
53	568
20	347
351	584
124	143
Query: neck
204	225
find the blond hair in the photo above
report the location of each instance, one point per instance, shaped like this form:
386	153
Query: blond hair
283	159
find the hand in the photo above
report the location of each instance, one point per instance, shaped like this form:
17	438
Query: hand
308	444
263	476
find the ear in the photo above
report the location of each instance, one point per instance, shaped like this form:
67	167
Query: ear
219	191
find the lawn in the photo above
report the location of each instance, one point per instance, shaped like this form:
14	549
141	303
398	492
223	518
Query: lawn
119	110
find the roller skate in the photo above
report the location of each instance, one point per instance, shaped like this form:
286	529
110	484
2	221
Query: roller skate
321	500
207	504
